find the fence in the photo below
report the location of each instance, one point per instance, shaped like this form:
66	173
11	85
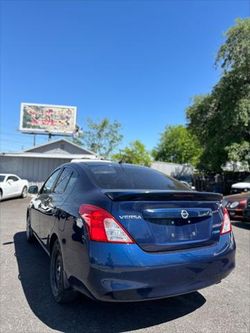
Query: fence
220	183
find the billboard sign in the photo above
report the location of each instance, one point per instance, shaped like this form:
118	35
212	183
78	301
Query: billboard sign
47	119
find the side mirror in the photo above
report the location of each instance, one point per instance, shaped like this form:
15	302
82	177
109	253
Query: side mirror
33	189
10	181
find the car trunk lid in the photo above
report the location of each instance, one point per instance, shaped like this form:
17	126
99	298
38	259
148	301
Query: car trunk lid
168	220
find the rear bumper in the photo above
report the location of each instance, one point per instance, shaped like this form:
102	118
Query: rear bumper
127	273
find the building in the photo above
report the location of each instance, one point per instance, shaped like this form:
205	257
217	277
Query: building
174	169
36	163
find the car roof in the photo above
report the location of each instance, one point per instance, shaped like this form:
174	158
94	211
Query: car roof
110	163
8	174
90	161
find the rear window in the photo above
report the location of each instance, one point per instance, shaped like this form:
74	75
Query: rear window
111	176
2	178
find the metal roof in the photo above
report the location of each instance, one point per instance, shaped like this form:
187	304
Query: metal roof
57	141
54	156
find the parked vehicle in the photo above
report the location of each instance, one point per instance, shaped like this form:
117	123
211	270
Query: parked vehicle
246	211
187	180
187	184
241	187
12	186
120	232
235	204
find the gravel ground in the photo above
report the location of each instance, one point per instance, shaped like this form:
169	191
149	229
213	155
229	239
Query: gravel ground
26	304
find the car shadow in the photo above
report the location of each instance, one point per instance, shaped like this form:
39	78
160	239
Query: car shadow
240	224
86	315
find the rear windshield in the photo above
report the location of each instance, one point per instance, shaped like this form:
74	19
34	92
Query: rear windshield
111	176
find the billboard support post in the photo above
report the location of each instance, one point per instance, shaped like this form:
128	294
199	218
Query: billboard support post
34	140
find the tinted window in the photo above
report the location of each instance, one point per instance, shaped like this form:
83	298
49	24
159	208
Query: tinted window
111	176
47	187
14	178
64	181
72	181
2	178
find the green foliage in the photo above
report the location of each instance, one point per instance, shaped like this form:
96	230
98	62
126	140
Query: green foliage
221	119
135	153
77	141
178	145
103	137
234	53
77	136
239	151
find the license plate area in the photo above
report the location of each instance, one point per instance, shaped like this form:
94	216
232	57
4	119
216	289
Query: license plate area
179	230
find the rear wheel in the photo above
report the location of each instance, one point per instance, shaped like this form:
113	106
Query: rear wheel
24	192
29	231
58	282
1	195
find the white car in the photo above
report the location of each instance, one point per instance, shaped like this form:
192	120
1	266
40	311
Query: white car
242	186
12	186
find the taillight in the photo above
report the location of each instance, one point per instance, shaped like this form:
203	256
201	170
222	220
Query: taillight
243	203
102	226
226	224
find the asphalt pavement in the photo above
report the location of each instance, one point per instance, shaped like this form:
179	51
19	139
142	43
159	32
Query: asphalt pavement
26	304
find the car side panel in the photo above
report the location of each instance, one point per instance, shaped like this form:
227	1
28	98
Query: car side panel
14	189
72	230
33	212
21	184
9	190
47	217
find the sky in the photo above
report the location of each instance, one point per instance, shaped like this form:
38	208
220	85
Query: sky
137	62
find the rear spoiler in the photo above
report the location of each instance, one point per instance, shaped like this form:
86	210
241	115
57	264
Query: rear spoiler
153	195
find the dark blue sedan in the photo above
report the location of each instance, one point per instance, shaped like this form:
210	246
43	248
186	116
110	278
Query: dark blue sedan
120	232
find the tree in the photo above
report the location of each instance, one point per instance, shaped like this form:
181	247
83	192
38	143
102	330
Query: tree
103	137
221	119
77	136
135	153
234	53
178	145
239	152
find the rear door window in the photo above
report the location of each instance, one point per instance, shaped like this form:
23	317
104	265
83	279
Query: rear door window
48	185
66	181
14	178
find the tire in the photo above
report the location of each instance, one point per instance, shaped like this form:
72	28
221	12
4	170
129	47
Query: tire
1	195
24	192
29	232
60	288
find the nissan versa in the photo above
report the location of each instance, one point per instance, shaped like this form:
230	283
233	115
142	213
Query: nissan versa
120	232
